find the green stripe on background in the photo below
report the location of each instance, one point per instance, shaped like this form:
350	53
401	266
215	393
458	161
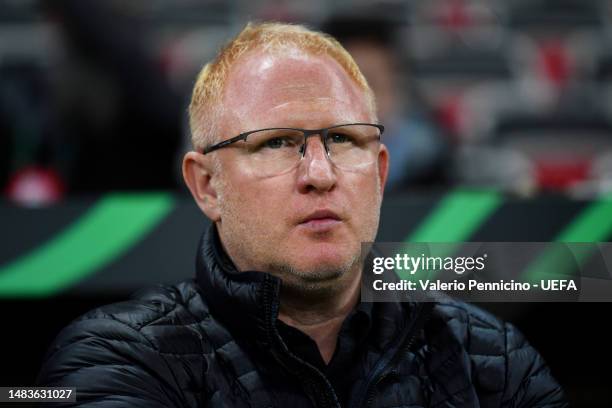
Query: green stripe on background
593	224
454	220
108	230
457	216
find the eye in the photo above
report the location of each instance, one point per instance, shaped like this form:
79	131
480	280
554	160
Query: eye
339	138
279	142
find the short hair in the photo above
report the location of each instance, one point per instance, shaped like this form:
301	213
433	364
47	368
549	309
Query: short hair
205	110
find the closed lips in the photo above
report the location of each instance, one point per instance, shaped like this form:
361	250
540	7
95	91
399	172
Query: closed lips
321	215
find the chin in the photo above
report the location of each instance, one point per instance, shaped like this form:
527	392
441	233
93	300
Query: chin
308	257
335	250
323	265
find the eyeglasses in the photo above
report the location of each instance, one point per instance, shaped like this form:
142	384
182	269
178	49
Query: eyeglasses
273	151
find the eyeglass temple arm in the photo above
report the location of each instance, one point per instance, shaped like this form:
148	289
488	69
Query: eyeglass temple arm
225	142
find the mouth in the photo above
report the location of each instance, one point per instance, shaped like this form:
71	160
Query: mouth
320	220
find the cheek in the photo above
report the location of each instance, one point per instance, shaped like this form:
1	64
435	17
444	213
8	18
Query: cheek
364	187
365	200
254	205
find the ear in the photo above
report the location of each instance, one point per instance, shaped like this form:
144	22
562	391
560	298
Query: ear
198	172
383	166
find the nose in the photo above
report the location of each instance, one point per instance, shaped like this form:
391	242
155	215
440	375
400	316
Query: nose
316	171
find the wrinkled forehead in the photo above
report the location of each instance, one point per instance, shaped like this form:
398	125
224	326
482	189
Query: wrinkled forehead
262	81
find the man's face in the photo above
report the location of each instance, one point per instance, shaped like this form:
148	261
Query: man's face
305	225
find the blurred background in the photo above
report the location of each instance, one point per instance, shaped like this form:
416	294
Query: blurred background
512	95
498	119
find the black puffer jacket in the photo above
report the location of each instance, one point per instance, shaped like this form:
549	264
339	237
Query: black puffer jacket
213	342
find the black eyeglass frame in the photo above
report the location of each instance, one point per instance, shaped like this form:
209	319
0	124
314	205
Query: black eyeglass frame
307	133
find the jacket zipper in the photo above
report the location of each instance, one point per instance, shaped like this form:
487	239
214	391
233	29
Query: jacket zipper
300	367
380	368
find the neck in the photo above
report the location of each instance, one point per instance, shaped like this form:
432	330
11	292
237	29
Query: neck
320	320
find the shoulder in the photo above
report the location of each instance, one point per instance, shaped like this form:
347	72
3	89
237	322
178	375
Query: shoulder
131	351
502	359
480	332
160	305
150	314
141	333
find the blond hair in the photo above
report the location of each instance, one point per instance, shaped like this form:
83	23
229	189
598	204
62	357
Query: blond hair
205	106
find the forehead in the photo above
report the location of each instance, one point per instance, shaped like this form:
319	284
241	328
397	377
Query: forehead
291	88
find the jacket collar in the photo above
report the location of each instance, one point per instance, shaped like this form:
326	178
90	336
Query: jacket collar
245	302
248	302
